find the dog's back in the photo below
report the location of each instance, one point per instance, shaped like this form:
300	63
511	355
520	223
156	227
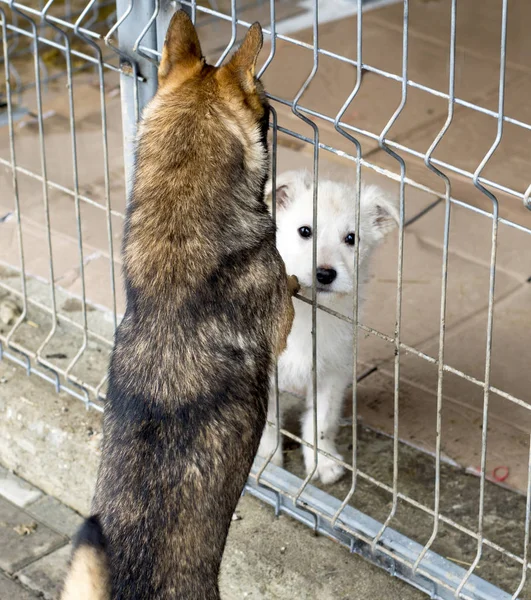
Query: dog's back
208	308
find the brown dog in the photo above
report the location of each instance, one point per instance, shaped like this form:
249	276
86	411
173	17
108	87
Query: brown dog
208	309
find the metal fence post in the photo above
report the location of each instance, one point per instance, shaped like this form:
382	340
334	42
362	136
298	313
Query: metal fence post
139	13
167	9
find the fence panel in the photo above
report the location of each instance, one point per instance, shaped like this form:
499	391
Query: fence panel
76	76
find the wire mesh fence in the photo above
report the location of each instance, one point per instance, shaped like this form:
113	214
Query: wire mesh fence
350	86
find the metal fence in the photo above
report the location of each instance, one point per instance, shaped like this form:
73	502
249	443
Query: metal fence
53	43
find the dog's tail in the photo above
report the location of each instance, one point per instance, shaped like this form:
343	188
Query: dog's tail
88	577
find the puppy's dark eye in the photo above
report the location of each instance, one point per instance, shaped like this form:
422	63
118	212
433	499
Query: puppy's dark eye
305	231
350	239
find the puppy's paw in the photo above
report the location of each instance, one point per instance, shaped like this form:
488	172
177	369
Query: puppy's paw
268	446
328	471
293	285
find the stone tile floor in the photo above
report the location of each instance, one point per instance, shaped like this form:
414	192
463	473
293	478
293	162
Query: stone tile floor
35	532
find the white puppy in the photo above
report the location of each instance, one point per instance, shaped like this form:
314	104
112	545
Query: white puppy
335	269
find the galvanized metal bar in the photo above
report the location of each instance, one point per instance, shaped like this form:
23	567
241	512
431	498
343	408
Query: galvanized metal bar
444	284
273	35
60	316
166	10
137	13
276	396
150	23
103	109
396	553
490	311
24	8
382	141
232	41
126	63
355	281
315	233
14	181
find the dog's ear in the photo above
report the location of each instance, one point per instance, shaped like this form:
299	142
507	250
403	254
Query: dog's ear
243	61
285	187
381	209
181	50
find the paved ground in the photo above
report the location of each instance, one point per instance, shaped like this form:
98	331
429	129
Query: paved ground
282	562
34	539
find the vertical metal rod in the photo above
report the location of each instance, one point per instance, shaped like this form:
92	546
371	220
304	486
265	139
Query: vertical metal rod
444	284
383	144
98	55
273	27
14	181
355	286
492	281
166	12
274	215
151	21
134	95
315	129
191	9
232	40
125	59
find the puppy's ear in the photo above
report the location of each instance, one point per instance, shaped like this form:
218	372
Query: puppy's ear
380	209
282	194
285	187
243	62
181	54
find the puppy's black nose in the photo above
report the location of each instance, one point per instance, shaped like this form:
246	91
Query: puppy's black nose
326	276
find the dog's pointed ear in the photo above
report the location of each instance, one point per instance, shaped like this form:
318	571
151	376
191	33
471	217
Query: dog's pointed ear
285	187
382	209
243	61
181	50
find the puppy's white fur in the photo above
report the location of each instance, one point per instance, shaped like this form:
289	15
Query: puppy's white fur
336	219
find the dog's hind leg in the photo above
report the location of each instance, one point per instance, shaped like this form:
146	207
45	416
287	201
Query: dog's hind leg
288	314
271	442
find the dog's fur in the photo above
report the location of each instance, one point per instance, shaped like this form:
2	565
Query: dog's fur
88	577
336	218
209	308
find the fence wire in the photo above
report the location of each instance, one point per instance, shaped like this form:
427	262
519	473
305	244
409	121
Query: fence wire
47	50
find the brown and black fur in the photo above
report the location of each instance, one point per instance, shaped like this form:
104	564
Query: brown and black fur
208	308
